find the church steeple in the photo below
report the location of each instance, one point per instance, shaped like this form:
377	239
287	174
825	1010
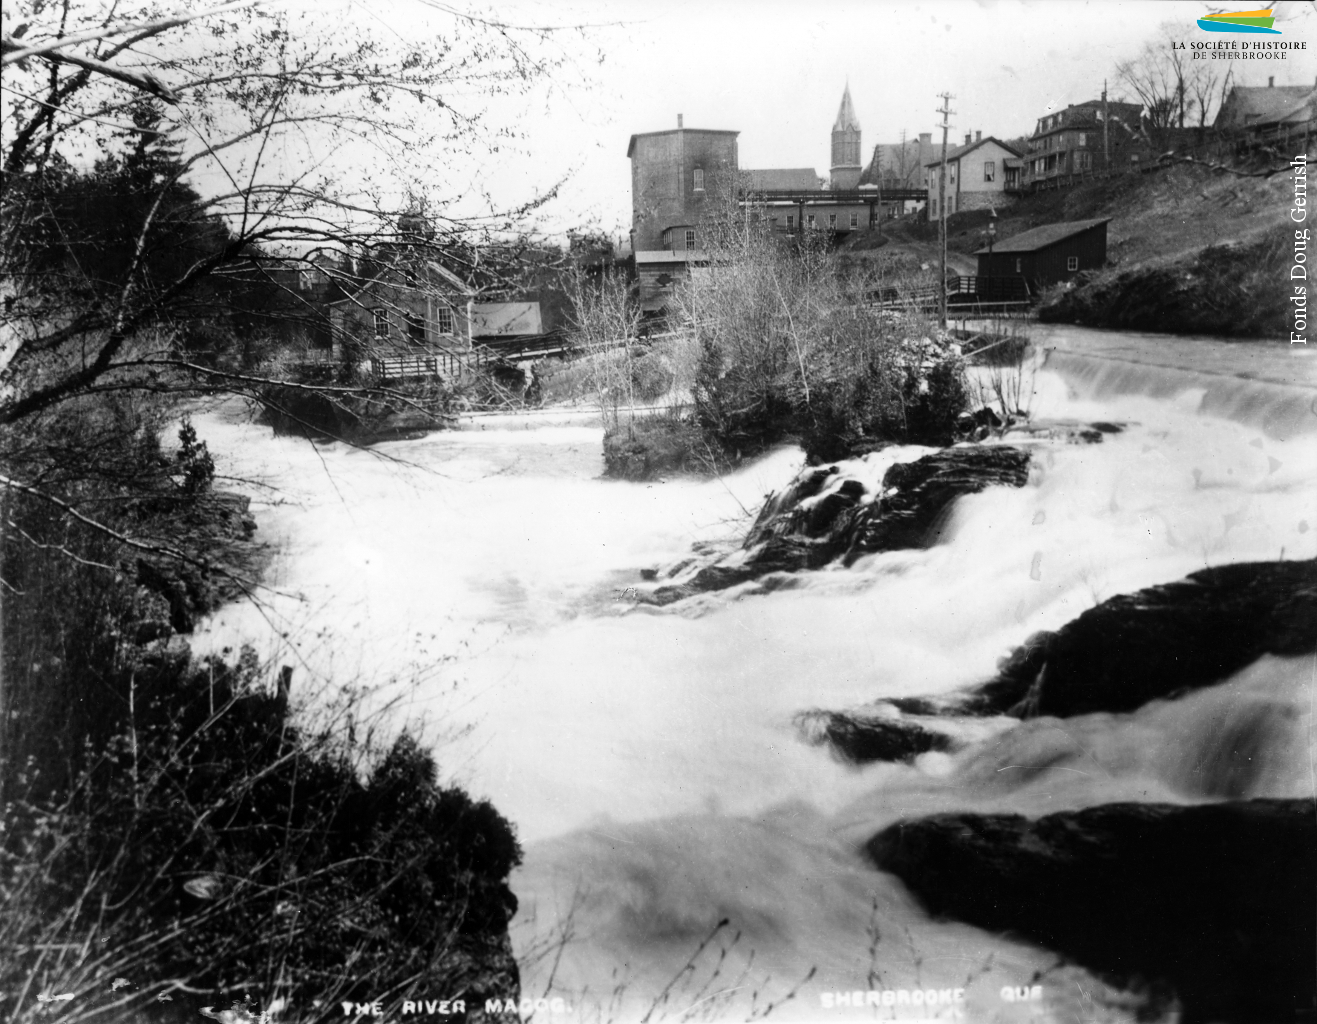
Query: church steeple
846	119
846	166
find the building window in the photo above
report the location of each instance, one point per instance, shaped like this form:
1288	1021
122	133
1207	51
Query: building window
690	239
699	179
832	221
443	319
811	220
306	280
381	321
855	220
416	328
1072	263
791	222
1019	265
989	170
1083	138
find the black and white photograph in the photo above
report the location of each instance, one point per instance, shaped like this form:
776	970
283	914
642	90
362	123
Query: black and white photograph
618	512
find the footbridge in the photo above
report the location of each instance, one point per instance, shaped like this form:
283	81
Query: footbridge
805	198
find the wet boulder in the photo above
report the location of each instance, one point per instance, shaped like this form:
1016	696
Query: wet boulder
1158	642
916	495
828	513
1212	906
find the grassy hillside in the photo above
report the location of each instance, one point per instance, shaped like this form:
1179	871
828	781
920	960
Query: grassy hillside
1188	249
1173	210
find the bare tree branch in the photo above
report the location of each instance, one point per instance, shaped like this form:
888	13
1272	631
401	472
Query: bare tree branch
14	52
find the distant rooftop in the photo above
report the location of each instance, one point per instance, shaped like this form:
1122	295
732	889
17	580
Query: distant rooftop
676	131
784	178
959	151
1263	103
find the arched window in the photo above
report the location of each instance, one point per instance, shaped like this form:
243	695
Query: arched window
699	179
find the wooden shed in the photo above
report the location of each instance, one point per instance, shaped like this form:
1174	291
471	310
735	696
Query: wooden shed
1047	254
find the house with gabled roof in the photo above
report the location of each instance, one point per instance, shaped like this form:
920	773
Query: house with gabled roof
405	307
1249	105
976	176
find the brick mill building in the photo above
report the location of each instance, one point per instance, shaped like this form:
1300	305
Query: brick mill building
681	176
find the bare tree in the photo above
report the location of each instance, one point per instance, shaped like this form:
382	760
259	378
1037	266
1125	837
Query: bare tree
1174	88
1208	87
294	132
1158	77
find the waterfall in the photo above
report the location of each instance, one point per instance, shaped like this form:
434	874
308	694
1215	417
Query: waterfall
650	758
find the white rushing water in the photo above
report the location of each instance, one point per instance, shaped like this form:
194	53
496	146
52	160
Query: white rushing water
648	757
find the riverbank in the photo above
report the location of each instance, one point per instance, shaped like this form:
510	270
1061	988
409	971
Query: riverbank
1237	290
163	802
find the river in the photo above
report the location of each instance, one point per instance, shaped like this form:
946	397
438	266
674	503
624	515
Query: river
648	758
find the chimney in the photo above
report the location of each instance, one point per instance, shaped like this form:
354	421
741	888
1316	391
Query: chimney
967	138
678	120
978	136
1271	81
925	138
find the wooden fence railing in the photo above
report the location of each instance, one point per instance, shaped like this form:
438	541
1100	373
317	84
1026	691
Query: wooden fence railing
440	365
962	290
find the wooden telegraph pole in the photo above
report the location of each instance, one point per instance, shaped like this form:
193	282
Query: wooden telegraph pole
1106	144
946	111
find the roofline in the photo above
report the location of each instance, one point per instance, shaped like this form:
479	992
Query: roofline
673	131
1095	222
448	275
965	150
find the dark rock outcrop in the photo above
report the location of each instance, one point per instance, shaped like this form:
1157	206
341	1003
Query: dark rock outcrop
362	415
1158	642
916	495
862	739
214	531
1214	904
1237	289
795	532
1153	644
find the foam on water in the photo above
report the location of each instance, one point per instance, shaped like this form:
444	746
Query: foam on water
648	757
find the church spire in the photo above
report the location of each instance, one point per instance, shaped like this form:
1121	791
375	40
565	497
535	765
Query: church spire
846	167
846	119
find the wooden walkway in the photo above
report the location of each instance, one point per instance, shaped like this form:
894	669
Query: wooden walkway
967	295
434	366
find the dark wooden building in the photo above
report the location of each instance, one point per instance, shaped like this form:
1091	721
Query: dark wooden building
1047	254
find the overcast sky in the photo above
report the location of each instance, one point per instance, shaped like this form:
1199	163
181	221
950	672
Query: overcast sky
774	70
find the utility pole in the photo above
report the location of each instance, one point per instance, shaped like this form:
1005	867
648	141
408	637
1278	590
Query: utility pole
946	111
1106	144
